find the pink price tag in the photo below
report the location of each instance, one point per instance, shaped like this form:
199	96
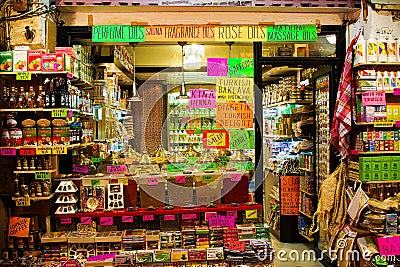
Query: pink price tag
80	168
152	181
169	217
398	124
180	179
147	218
116	169
396	91
65	221
232	213
210	214
86	220
189	216
127	219
106	221
236	177
8	151
70	113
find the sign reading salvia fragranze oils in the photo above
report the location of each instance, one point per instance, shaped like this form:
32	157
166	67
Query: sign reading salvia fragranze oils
205	33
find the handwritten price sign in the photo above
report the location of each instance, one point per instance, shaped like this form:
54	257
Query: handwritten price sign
59	112
215	139
42	175
116	169
236	245
127	219
59	150
236	177
66	221
169	217
42	150
221	221
86	220
106	221
373	98
147	218
27	152
80	168
189	216
152	181
180	179
8	151
23	202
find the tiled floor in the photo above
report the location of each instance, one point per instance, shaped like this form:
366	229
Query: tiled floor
292	255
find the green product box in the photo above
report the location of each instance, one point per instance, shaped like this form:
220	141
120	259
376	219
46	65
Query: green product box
394	163
385	164
376	176
376	166
6	61
394	175
365	176
366	166
385	175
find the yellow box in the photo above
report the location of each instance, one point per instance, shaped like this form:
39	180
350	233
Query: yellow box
389	112
178	255
396	112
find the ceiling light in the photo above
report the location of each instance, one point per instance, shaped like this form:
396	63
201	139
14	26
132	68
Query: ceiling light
183	93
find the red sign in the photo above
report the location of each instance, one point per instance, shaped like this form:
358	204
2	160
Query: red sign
18	226
27	152
290	195
373	98
147	218
71	263
215	139
236	245
389	245
86	220
180	179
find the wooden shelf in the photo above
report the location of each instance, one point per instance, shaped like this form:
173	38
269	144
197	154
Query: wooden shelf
34	199
299	102
305	192
275	136
33	171
305	169
34	109
387	92
375	182
377	152
306	237
305	214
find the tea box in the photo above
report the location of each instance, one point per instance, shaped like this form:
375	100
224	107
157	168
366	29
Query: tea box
20	58
44	136
61	136
29	136
6	61
52	62
35	60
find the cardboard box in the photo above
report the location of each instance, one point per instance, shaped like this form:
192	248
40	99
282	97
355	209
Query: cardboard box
20	58
52	62
162	256
178	255
385	175
6	61
365	176
376	164
389	111
394	175
376	176
385	164
215	253
369	113
29	137
391	224
394	163
66	50
35	60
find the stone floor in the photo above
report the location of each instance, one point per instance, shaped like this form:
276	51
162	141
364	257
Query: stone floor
290	258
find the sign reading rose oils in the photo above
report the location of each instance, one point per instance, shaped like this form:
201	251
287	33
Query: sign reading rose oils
234	115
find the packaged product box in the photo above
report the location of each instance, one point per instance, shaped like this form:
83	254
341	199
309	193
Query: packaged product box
144	256
162	256
376	176
61	136
366	74
44	136
390	135
365	176
394	175
396	134
382	145
6	61
377	136
385	175
396	113
394	163
389	111
376	164
385	164
52	62
197	254
178	255
366	164
396	145
29	136
391	224
20	58
122	259
384	135
66	50
35	60
365	136
391	145
369	135
215	253
371	146
369	113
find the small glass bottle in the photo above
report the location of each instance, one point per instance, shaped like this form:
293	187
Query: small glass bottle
21	98
12	101
31	101
41	97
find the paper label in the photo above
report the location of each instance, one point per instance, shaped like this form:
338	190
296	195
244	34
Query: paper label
244	166
180	179
251	214
27	152
152	181
8	151
202	98
236	245
23	76
383	124
116	169
169	217
96	160
42	150
59	112
207	178
147	218
59	150
221	221
127	219
80	168
86	220
373	98
123	181
106	221
65	221
210	214
232	213
18	226
217	67
42	175
189	216
95	182
23	202
236	177
389	245
396	91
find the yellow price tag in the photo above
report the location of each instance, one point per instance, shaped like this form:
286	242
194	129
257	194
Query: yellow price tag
123	181
59	150
42	150
60	112
23	76
251	214
383	124
23	202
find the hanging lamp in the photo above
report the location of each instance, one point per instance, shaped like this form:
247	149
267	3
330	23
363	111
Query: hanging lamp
183	93
135	96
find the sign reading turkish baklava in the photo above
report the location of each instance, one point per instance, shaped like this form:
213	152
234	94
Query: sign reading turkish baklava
234	89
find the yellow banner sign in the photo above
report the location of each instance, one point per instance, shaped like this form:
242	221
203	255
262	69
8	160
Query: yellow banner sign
235	89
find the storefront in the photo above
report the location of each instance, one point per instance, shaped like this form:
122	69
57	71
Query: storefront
195	72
